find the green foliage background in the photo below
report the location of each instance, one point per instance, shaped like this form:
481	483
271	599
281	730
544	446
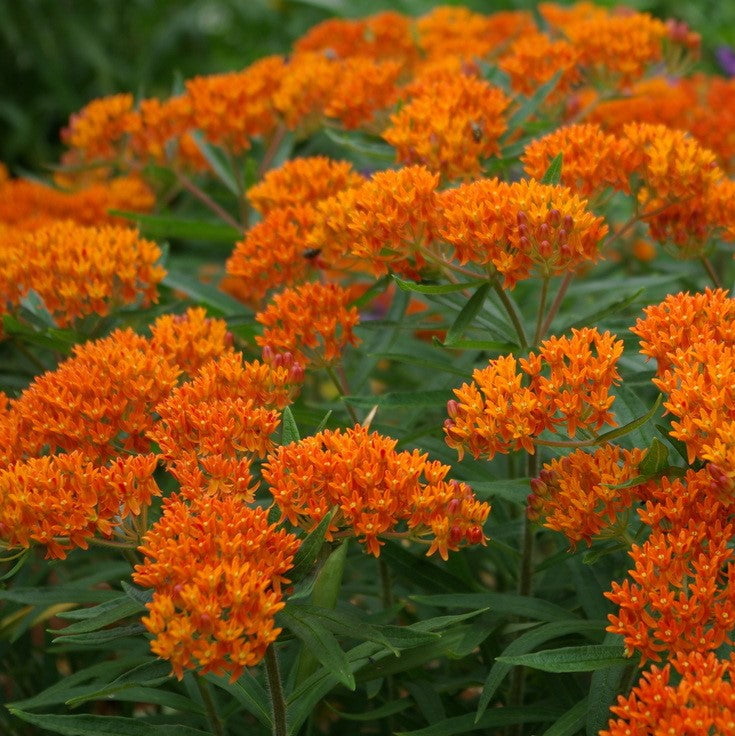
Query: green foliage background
56	55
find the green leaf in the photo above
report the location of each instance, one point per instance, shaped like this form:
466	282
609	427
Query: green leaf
436	288
425	363
53	338
206	294
218	161
531	105
249	693
319	641
553	173
493	345
19	563
467	315
51	595
527	642
105	614
419	571
515	490
534	609
570	659
655	460
364	145
168	226
304	560
605	685
289	428
141	595
374	715
632	425
571	722
94	639
86	725
617	305
401	398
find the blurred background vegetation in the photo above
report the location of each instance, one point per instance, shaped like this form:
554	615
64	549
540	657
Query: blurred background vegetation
56	55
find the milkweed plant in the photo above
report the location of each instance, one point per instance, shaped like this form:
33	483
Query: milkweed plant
386	387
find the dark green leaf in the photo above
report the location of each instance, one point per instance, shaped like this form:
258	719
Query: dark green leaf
492	345
106	614
141	595
206	294
373	148
570	659
249	693
534	609
632	425
515	490
52	595
309	549
571	722
97	638
374	715
168	226
466	316
531	105
218	161
402	398
655	460
605	685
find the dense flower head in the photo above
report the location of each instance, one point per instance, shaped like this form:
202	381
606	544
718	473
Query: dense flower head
683	319
62	501
78	270
30	204
682	595
591	159
273	254
314	322
514	228
376	490
98	129
567	382
302	181
582	495
533	59
385	223
99	402
216	568
232	108
702	702
450	126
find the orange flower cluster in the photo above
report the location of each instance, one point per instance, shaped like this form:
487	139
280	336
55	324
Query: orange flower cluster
591	158
78	270
302	181
683	319
313	322
450	126
682	598
580	495
29	205
63	501
568	383
701	702
211	426
375	489
516	227
216	568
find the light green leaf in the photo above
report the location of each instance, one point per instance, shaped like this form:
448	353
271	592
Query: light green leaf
436	288
289	428
206	294
168	226
553	172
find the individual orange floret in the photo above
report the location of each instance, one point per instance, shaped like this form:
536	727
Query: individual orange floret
684	319
97	131
99	402
191	339
386	35
450	126
534	58
682	595
232	108
78	271
63	501
30	204
580	495
313	322
302	181
591	159
700	385
376	490
362	91
273	254
514	228
617	48
216	568
566	383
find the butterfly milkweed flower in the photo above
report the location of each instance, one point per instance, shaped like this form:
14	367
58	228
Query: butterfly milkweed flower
450	125
98	130
378	491
313	322
683	319
516	228
510	403
216	568
700	701
582	495
302	181
591	159
63	501
78	271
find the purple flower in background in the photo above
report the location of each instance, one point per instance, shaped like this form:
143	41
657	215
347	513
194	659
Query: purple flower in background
726	59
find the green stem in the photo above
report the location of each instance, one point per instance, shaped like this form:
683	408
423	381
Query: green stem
278	702
711	271
554	308
215	722
386	594
342	390
207	201
541	308
510	308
